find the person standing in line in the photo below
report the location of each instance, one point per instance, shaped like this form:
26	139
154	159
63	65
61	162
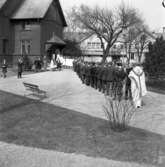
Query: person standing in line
138	85
128	94
20	68
4	68
45	62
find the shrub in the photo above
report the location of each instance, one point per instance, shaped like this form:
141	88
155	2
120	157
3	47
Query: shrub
118	113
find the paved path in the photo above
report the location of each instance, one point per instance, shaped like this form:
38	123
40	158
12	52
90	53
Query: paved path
65	89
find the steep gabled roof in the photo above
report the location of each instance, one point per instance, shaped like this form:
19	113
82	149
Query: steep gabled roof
61	12
31	9
8	7
35	9
2	2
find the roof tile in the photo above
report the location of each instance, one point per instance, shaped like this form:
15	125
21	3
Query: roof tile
32	9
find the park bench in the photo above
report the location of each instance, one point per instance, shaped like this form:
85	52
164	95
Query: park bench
34	89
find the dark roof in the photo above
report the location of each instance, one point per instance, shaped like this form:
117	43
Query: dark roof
152	35
158	35
61	12
76	36
55	40
2	2
10	6
32	9
29	9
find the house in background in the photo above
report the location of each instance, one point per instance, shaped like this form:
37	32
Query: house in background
92	49
30	27
139	46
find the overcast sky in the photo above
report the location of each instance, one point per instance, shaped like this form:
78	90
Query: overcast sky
151	10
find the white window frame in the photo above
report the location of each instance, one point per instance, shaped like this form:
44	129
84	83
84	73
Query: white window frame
27	45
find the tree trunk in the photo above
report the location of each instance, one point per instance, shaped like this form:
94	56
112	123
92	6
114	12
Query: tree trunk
129	53
104	57
139	57
105	54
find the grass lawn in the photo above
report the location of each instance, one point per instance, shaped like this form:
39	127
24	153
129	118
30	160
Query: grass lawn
156	86
32	123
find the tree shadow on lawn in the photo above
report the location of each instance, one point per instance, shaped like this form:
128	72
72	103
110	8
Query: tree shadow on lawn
36	124
156	86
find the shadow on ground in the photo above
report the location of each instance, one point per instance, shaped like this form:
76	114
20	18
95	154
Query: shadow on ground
157	86
32	123
156	90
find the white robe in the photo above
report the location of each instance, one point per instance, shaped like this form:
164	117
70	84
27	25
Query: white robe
52	66
138	85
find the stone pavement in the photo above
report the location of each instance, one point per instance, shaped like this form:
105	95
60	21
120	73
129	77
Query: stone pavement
66	90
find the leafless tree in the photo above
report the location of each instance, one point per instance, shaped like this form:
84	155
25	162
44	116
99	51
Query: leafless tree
107	24
141	43
129	37
136	40
72	26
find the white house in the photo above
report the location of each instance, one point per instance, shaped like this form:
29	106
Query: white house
92	49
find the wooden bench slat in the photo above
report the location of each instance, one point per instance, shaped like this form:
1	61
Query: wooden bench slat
34	88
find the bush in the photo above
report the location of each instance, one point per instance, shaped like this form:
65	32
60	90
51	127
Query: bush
118	113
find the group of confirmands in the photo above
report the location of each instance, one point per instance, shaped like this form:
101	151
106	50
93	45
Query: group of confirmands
114	79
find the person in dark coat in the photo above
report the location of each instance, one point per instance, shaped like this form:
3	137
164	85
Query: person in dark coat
99	77
92	78
128	94
45	62
20	68
83	73
119	78
4	68
110	79
95	75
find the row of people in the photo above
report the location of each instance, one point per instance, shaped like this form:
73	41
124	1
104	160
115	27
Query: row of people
108	78
113	80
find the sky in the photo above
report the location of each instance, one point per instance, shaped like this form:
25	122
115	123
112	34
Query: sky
152	11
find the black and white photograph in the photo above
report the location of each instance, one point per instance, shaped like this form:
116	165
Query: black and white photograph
82	83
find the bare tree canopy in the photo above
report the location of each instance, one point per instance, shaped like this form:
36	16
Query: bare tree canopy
136	38
107	24
141	43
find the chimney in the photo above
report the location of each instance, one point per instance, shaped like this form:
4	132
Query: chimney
163	30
